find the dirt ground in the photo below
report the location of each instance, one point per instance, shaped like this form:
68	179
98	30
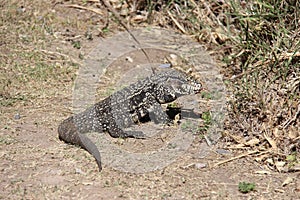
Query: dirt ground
35	164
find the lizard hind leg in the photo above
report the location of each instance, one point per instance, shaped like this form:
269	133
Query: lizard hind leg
118	132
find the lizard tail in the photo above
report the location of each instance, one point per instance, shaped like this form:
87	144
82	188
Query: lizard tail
68	132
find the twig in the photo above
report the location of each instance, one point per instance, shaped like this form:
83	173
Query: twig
234	158
85	8
58	54
289	121
296	139
176	22
213	15
93	1
283	56
118	17
271	141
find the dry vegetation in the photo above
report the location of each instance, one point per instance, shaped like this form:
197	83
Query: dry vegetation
255	44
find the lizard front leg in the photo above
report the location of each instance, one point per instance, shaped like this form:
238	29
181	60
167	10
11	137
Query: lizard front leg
158	115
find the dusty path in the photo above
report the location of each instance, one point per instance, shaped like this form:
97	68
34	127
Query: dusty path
35	164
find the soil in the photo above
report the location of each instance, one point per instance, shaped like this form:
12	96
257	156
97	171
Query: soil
35	164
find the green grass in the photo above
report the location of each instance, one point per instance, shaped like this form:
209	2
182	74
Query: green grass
268	60
7	140
28	69
246	187
30	76
256	46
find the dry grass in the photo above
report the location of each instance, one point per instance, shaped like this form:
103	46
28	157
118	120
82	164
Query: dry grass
255	43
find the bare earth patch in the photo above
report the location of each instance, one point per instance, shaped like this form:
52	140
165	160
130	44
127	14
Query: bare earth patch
42	46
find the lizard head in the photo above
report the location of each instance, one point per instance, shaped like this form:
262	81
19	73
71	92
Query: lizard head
174	84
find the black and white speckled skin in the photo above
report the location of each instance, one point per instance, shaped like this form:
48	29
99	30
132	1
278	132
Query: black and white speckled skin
129	106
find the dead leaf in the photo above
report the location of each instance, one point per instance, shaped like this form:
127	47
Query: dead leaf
262	172
87	183
129	59
287	181
280	165
270	161
236	138
261	157
252	142
200	165
238	146
220	34
279	190
295	168
293	134
275	132
138	18
271	142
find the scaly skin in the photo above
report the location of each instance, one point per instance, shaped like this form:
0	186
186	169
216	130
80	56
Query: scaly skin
131	105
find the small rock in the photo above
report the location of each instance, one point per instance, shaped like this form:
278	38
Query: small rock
166	65
78	171
17	116
200	165
223	151
287	181
21	9
129	59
